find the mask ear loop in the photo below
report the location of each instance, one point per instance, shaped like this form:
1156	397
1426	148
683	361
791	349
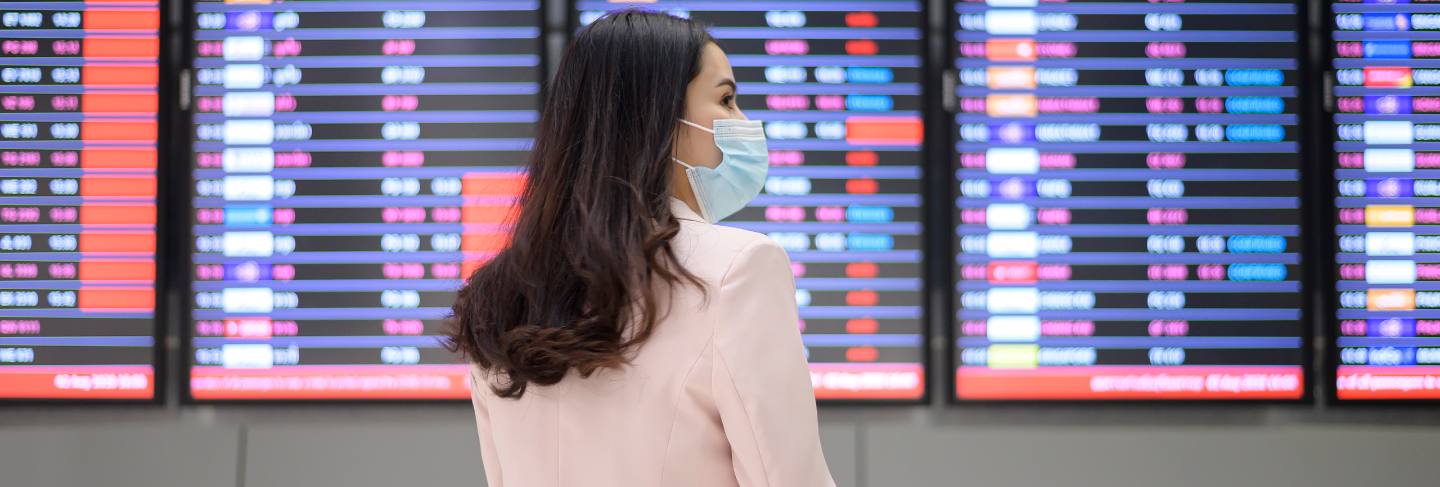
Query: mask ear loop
696	125
692	124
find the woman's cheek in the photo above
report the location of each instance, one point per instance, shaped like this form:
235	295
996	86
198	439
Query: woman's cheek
715	154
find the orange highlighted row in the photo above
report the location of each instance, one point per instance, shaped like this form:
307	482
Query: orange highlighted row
488	214
484	242
118	159
492	184
479	248
117	270
118	103
116	242
119	130
108	299
117	186
884	130
121	47
121	75
103	19
117	214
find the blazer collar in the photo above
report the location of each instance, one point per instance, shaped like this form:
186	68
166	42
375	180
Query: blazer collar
682	211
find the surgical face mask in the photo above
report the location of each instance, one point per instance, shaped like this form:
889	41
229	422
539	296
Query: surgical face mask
744	160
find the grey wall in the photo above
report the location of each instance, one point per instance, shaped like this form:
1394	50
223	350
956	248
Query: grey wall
420	445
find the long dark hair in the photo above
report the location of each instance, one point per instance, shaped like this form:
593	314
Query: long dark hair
594	225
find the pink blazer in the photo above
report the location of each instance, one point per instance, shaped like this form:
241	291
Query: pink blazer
720	395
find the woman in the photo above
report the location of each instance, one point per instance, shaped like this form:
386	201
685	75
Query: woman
621	339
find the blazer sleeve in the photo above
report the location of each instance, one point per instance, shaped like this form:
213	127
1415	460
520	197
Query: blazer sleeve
488	455
760	377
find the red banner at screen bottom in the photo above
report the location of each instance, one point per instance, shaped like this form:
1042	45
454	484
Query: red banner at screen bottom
1383	382
328	382
332	382
868	381
78	382
1131	383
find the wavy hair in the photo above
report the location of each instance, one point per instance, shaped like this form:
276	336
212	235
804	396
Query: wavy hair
593	229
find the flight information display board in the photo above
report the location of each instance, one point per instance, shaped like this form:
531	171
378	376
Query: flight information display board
78	103
1387	174
353	161
838	85
1127	211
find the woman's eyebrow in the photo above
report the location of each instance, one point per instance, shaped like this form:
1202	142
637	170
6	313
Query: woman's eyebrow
727	81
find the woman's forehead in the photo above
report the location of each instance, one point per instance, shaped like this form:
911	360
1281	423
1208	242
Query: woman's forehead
714	63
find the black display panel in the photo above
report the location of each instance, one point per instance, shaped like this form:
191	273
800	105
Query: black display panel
838	85
1386	167
353	161
78	131
1127	201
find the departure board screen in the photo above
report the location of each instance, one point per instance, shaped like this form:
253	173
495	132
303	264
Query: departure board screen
838	85
1387	174
78	103
1127	201
353	161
